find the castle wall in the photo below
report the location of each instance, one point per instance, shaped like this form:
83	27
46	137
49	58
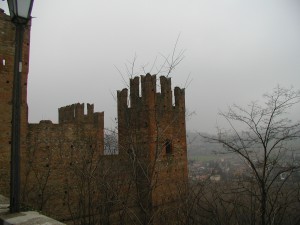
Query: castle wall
7	52
142	183
70	179
55	152
64	170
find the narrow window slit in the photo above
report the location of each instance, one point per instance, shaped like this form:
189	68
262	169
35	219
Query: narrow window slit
168	146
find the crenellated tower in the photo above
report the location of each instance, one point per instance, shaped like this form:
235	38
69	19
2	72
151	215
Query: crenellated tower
152	134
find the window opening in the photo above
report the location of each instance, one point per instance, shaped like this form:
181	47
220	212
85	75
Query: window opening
168	147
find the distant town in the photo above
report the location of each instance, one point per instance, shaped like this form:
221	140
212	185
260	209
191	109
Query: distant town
207	161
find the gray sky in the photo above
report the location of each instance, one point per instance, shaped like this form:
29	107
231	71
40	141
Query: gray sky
235	50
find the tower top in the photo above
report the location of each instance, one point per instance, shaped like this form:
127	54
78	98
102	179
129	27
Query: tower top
148	97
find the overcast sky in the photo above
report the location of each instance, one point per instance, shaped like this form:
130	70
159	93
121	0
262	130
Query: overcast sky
235	50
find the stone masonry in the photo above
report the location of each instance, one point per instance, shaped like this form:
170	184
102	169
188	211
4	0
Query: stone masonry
65	173
7	52
152	133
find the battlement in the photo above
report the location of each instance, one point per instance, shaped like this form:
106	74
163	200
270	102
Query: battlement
150	166
149	97
149	114
75	114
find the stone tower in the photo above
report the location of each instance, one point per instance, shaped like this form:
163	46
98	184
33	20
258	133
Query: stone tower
7	52
152	134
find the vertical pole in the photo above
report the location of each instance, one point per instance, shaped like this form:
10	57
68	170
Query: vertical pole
16	122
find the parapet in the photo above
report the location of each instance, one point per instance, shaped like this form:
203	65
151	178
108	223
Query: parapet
148	97
46	122
75	114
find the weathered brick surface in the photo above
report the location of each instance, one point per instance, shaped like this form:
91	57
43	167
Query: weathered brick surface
66	164
65	173
152	130
7	52
54	151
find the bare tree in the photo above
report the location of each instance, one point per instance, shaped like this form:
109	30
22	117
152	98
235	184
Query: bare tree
163	64
260	136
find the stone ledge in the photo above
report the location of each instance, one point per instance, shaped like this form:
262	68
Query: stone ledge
27	218
4	205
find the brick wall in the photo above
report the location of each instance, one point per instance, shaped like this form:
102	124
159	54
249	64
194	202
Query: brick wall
7	51
55	152
64	171
152	130
69	178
